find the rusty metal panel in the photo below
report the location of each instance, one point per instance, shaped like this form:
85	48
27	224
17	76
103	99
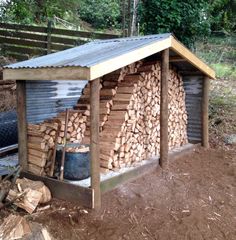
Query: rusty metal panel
45	99
193	100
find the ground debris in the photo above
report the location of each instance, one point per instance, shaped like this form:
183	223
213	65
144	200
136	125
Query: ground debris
27	194
14	227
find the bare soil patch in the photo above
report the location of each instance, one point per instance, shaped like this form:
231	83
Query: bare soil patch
194	200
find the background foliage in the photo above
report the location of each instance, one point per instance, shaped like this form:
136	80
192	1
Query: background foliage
186	19
189	20
100	13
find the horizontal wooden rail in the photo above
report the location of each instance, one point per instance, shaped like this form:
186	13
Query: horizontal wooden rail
24	41
58	31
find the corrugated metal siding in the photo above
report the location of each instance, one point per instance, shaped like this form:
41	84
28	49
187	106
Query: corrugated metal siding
193	90
45	99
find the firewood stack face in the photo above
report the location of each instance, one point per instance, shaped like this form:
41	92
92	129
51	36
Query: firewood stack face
132	132
42	137
129	119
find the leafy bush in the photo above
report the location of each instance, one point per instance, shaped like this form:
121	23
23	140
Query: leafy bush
100	13
185	19
36	11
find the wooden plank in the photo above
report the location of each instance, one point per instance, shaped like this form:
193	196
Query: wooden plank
22	124
124	177
84	34
21	27
17	41
164	109
24	50
72	73
194	60
177	59
205	104
113	182
23	42
67	40
94	142
18	56
65	190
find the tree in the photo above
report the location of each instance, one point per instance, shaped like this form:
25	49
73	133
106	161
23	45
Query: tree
223	15
101	13
37	11
187	19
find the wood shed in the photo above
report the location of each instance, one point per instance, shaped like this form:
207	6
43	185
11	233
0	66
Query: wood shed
132	100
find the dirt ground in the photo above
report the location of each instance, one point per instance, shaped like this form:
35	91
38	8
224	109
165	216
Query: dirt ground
196	199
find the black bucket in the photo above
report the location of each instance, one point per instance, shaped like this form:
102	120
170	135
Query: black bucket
77	165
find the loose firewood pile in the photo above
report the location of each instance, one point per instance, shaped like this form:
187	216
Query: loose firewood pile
129	120
42	138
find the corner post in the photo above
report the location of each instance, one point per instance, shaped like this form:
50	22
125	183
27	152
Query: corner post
164	109
22	124
205	103
94	142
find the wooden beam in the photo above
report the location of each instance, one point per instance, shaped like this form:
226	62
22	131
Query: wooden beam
194	60
64	73
94	142
177	59
205	103
164	109
22	124
190	73
124	177
64	190
113	182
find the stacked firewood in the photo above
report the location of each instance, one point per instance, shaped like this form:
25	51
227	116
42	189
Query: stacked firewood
109	86
132	132
42	138
129	119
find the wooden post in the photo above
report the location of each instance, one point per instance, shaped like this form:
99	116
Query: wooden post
22	124
205	103
123	18
49	37
94	142
164	109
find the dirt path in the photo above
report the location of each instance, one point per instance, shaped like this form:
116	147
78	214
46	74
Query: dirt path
196	200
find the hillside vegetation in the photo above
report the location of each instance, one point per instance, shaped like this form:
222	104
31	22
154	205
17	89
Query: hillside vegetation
220	53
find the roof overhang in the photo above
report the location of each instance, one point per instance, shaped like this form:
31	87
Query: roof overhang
107	66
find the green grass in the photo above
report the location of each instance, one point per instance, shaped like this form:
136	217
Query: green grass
220	53
224	70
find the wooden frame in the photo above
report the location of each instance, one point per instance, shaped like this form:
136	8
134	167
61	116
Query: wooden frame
164	109
91	197
22	124
107	66
113	182
71	73
205	104
190	57
94	142
65	190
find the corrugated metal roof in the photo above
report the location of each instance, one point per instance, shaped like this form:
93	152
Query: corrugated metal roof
90	54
